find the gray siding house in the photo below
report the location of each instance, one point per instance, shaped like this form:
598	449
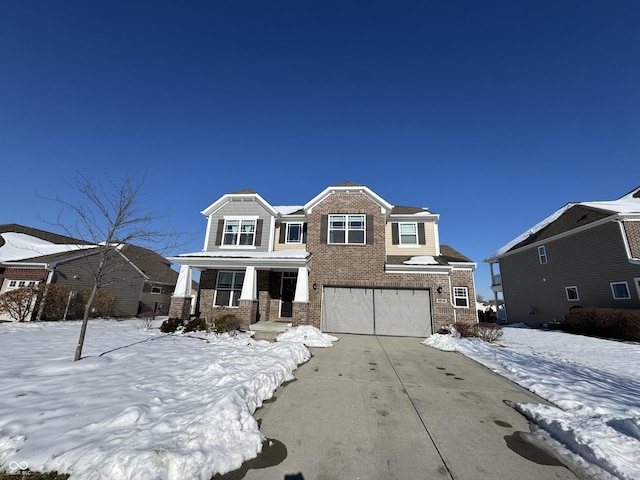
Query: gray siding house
347	261
586	254
141	280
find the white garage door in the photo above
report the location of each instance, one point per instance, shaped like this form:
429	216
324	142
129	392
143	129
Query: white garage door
379	311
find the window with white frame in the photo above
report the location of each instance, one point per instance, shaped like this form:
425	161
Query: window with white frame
572	293
294	233
239	232
620	290
156	290
542	254
228	289
461	296
408	233
347	229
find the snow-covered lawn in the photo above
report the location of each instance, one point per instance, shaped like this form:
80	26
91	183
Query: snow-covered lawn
593	384
140	404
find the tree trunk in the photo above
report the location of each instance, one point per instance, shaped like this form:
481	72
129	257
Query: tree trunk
85	320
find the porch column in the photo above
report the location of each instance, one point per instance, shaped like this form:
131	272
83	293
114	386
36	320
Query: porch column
302	286
249	287
183	284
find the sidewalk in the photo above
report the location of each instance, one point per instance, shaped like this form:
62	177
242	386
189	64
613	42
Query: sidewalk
391	408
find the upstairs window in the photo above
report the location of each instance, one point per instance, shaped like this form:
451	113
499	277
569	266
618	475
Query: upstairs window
347	229
461	296
620	290
542	254
294	233
408	233
239	232
228	289
156	290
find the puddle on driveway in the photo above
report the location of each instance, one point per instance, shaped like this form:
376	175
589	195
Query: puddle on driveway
273	453
517	443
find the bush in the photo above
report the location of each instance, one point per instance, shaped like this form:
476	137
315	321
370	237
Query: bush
615	323
197	325
171	325
467	330
227	323
489	332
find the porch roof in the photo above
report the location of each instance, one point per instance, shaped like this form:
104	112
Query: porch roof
243	258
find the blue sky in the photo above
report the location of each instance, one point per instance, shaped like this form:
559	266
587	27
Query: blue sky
493	114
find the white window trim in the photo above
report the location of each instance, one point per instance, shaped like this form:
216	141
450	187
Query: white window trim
456	296
215	296
239	219
417	241
542	255
566	291
158	290
613	292
286	233
347	229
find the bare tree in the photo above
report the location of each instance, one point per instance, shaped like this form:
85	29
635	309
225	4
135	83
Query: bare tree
111	217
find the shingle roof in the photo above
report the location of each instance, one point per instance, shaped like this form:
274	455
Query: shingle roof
403	210
447	255
42	234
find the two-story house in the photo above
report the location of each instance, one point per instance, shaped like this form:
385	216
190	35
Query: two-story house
584	254
346	262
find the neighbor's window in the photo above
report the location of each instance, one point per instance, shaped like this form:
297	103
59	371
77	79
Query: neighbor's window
620	291
156	290
408	233
239	232
572	293
460	296
542	254
228	289
294	233
347	229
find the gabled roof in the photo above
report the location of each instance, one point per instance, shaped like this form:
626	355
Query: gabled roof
348	187
242	195
29	246
572	216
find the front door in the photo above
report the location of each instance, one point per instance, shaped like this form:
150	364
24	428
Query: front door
287	294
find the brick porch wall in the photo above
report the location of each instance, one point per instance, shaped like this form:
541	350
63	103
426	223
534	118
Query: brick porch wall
180	308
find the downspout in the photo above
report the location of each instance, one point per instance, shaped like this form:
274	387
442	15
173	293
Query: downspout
455	314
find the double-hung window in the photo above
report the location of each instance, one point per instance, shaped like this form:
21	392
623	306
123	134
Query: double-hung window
542	254
408	233
347	229
294	233
461	296
229	288
239	232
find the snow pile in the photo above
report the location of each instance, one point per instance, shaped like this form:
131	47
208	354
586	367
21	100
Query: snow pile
140	404
307	335
594	422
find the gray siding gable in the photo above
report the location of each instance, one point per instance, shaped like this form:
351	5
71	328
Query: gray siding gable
240	209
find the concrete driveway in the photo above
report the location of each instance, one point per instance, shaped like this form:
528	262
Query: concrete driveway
391	408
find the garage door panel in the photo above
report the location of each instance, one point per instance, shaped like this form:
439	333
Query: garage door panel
347	310
382	311
402	312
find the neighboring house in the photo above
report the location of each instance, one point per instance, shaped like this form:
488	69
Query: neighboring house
347	262
584	254
141	280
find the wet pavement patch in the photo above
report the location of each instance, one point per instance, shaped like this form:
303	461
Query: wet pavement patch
517	443
273	453
500	423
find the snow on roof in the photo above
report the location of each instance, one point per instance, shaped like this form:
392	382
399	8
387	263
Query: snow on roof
287	209
624	205
421	260
248	254
20	246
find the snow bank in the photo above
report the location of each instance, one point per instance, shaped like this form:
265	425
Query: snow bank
139	405
307	335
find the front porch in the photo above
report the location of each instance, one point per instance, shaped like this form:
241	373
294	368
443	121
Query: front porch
253	292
